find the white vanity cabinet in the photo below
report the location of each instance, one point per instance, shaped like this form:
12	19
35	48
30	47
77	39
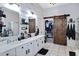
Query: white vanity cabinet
28	47
36	46
8	53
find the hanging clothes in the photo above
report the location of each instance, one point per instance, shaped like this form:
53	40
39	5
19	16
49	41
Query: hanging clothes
73	37
1	25
71	31
46	25
50	27
67	32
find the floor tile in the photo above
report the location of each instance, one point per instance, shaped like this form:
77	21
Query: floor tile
58	50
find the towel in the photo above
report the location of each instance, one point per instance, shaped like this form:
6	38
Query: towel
68	32
73	37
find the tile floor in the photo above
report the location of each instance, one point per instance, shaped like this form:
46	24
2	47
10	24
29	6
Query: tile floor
58	50
49	40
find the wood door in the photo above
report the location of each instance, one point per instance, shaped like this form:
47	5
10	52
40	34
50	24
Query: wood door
31	25
60	24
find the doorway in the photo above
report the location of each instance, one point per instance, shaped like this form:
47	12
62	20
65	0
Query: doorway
48	30
59	29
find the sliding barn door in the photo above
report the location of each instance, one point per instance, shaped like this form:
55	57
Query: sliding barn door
60	24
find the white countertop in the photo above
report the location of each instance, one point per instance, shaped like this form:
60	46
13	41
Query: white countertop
12	45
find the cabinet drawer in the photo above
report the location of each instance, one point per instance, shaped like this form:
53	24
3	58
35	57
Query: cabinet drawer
37	45
9	53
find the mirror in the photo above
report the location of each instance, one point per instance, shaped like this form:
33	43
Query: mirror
32	25
11	23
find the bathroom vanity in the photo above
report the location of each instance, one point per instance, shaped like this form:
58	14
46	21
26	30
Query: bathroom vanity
25	47
17	23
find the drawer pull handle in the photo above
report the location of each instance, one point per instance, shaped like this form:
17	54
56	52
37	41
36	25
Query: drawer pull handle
42	41
26	52
7	54
22	47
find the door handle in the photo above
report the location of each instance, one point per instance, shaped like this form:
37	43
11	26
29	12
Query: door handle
26	52
7	54
22	47
42	42
30	43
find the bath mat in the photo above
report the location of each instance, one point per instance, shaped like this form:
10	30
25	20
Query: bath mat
43	51
72	53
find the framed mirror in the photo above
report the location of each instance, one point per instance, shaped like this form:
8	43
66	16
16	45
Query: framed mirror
11	23
32	25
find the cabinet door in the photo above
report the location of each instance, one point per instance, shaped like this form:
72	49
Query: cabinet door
43	41
40	43
36	45
21	50
30	49
9	53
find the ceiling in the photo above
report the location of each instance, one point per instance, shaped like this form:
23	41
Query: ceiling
48	5
43	5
